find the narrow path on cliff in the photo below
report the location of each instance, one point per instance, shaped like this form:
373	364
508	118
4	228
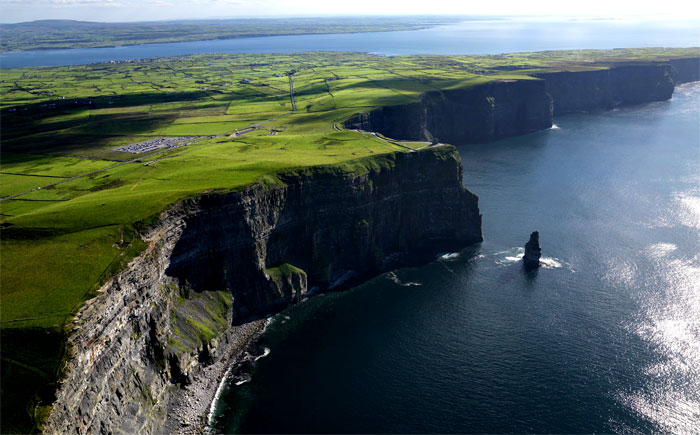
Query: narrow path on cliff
71	179
391	141
237	133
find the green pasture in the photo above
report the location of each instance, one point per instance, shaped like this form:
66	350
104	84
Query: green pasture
11	184
59	243
63	122
49	166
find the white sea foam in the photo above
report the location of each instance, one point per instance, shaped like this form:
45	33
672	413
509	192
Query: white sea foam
510	256
243	380
267	323
450	256
265	353
217	396
550	263
554	127
516	254
395	279
238	381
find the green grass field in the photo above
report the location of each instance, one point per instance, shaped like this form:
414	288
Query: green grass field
61	242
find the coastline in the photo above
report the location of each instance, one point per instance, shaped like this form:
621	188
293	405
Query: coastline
143	351
521	292
191	404
200	422
246	36
189	412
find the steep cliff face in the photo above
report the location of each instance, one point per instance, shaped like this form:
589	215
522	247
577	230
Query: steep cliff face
337	229
619	85
500	109
477	114
686	70
220	259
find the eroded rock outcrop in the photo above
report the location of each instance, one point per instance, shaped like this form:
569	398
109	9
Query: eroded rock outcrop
219	260
533	252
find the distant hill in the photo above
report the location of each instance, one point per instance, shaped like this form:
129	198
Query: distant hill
53	34
56	24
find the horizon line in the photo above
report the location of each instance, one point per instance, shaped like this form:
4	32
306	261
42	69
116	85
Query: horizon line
466	17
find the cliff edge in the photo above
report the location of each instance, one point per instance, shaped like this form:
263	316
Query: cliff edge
224	259
479	113
604	89
503	108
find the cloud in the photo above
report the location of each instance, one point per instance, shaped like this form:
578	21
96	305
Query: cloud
227	2
131	10
138	5
67	3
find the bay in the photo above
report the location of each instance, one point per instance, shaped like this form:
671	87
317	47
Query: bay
604	338
468	37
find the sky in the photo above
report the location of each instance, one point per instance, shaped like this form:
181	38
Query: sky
155	10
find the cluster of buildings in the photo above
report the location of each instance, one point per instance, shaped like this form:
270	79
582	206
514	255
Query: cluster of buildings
154	144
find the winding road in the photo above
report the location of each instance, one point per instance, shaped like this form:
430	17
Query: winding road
238	133
391	141
71	179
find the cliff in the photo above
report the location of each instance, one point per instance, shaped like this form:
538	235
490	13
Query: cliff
686	70
619	85
503	108
220	260
479	113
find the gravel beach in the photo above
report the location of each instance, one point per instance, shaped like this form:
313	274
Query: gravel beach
188	412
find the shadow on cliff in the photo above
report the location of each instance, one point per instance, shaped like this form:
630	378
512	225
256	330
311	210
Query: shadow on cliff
30	371
326	227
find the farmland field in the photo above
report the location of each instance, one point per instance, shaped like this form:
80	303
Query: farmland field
73	204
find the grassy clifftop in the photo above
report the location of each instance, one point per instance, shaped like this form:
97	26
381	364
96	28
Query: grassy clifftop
80	199
72	202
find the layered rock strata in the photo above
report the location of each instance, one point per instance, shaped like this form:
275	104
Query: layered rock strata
478	113
686	70
497	109
217	261
619	85
221	260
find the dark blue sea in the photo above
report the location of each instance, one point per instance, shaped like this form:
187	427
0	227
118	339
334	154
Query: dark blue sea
468	37
605	337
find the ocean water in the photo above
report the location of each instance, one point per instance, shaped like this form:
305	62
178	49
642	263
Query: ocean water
605	337
468	37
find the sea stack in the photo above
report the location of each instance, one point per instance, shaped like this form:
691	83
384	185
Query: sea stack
533	252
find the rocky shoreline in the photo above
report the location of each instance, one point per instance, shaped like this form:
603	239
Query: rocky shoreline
148	353
189	410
